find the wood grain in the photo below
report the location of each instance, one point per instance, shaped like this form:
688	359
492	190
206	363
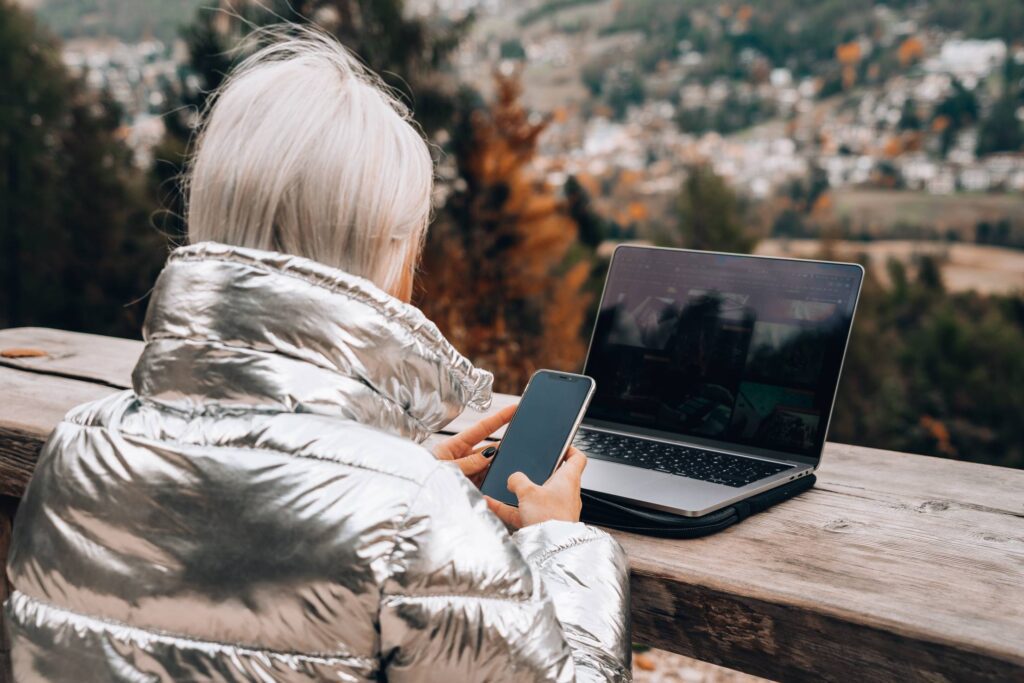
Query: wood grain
894	587
895	567
7	509
75	355
31	405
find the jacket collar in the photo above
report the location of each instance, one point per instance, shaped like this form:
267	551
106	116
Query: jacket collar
234	330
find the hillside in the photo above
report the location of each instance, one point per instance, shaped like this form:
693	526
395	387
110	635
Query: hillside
129	20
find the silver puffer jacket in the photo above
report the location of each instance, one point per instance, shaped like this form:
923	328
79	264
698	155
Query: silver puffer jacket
259	507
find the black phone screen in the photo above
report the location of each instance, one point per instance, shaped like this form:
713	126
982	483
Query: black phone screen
537	435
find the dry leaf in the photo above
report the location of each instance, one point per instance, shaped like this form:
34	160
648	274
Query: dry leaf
643	662
22	353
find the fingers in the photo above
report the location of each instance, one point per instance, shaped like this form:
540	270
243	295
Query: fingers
487	426
444	450
572	466
474	463
520	485
576	461
506	513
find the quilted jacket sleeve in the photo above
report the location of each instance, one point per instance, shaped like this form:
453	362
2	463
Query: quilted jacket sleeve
585	572
466	601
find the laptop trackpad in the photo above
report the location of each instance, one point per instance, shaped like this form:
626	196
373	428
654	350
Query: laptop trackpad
669	492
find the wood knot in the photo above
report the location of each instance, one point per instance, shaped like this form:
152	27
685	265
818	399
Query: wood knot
934	506
842	526
993	538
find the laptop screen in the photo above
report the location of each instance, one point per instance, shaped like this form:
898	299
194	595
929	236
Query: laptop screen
722	349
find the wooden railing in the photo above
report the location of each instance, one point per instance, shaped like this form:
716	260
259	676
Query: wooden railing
894	567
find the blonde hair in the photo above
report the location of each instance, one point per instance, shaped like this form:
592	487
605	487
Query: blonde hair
305	151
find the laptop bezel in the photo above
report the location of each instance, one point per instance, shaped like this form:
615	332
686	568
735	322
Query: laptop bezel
725	446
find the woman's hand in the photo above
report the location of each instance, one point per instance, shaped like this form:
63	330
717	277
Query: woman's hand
464	447
559	497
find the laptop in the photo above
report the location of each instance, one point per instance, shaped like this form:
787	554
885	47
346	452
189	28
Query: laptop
716	375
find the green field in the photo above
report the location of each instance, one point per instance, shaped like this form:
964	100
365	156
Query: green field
882	213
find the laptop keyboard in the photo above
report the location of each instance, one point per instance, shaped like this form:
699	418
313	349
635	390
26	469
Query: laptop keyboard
684	461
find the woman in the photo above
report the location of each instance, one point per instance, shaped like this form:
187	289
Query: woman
258	507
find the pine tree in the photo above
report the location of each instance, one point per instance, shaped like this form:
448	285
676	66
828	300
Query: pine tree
958	110
209	49
1002	131
593	228
33	105
505	234
77	243
412	55
496	274
709	214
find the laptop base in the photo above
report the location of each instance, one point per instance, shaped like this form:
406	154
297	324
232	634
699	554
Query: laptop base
607	512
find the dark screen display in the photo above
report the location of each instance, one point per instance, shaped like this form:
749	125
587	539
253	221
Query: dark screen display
538	432
722	348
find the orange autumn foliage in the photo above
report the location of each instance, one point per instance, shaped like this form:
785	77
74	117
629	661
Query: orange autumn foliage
893	147
940	433
848	53
495	276
910	50
849	77
822	205
637	212
591	184
629	178
912	141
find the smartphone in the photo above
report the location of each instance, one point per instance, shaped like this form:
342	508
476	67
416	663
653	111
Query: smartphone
540	432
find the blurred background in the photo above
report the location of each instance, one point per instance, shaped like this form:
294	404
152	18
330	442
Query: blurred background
891	134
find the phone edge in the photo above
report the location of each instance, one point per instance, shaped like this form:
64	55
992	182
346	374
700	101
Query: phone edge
572	432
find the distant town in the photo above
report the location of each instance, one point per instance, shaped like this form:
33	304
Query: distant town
902	110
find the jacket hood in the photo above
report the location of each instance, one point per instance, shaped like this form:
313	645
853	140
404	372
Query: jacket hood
232	330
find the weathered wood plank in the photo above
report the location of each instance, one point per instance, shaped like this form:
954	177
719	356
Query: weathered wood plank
772	639
888	548
7	507
75	355
825	583
894	567
18	454
31	405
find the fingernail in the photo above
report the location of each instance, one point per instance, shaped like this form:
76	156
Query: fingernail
489	452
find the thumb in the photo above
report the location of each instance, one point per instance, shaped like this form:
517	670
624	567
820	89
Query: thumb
520	484
506	513
573	465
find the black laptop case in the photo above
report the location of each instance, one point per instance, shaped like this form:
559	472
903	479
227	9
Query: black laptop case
603	511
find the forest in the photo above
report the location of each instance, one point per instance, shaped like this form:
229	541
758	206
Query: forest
512	266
